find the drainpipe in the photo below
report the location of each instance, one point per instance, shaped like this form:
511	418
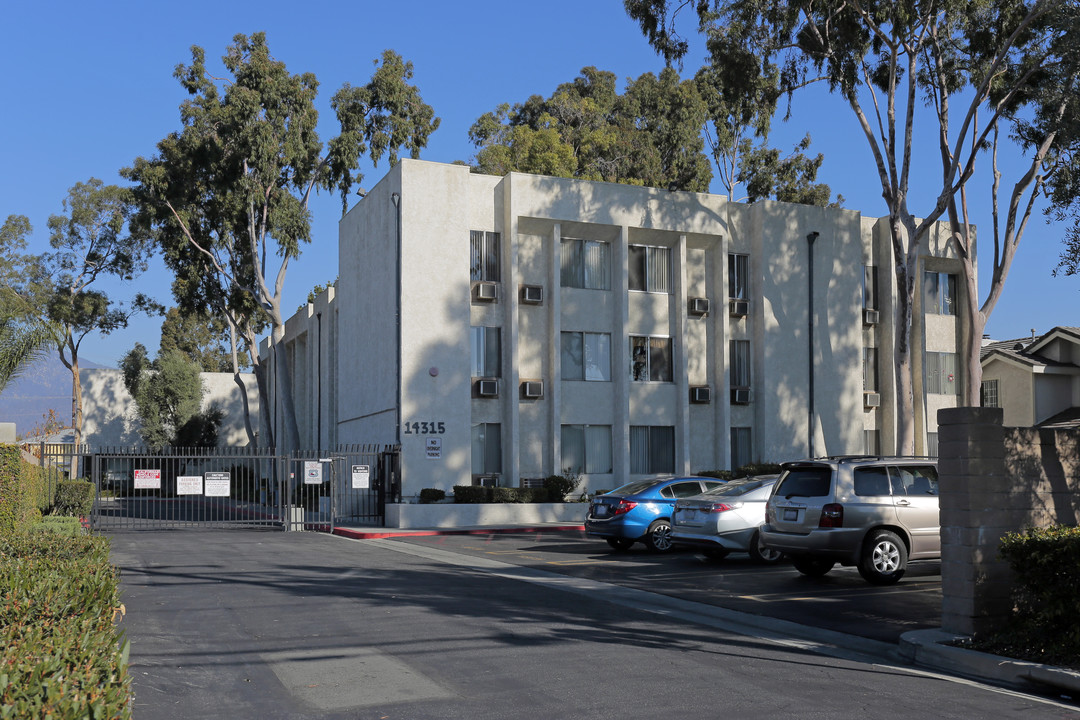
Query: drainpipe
318	382
810	340
396	199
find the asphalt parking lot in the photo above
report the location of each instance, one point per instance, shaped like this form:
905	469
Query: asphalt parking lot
841	601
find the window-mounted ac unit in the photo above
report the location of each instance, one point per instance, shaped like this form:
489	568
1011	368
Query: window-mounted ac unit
532	294
870	317
871	399
532	389
487	388
739	308
532	482
740	396
487	291
700	395
487	481
698	306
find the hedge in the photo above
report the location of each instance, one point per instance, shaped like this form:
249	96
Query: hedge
482	494
23	494
62	656
74	498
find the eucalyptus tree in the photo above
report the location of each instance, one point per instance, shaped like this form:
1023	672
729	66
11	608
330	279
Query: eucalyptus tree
230	191
25	335
168	394
974	64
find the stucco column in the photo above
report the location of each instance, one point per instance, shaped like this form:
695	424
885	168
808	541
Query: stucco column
975	513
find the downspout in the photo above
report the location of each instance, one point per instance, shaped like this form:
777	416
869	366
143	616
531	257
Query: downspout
810	238
318	381
395	198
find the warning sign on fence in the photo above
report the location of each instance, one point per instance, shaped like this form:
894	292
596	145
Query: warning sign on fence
217	484
361	476
148	479
189	485
312	472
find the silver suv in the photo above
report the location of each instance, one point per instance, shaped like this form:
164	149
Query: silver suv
872	512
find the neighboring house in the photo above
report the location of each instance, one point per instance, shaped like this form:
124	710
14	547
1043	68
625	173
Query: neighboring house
1035	381
544	324
110	419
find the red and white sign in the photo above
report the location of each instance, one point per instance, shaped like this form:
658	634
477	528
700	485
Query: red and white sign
148	479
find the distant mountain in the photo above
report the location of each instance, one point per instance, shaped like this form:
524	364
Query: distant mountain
44	386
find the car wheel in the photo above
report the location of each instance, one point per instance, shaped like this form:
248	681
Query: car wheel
761	554
884	558
716	553
658	537
812	567
620	544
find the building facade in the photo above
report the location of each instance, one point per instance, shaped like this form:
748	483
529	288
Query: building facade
504	329
1035	381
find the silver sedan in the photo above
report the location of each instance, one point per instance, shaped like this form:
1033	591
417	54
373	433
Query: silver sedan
726	519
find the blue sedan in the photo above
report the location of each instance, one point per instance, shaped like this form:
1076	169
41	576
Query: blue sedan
641	511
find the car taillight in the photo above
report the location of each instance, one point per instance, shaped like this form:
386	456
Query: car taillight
721	507
832	516
624	506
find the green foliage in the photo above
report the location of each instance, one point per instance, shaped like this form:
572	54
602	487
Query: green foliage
481	494
472	494
23	492
1043	627
559	486
314	293
432	495
650	135
74	498
62	656
69	526
168	396
718	474
204	339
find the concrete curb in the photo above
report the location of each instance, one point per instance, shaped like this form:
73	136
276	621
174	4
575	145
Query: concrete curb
381	533
932	649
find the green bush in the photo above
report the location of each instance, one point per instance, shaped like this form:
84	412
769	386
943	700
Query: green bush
472	494
757	469
74	498
22	492
559	486
432	495
62	656
718	474
58	525
1043	627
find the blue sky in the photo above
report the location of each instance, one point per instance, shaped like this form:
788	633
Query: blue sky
89	87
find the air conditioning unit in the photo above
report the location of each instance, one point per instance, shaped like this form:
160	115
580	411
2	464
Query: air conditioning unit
739	308
487	291
532	482
487	388
740	396
532	389
487	481
532	294
871	399
870	317
698	306
700	395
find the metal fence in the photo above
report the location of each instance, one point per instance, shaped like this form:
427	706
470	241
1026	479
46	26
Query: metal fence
231	487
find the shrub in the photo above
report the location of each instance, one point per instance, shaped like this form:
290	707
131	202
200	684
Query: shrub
718	474
22	491
59	525
74	498
559	486
757	469
432	495
472	494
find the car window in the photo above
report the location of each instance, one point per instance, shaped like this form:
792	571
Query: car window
735	488
871	481
805	482
681	490
633	488
914	481
712	485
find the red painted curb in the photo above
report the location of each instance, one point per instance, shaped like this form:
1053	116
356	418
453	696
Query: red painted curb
390	533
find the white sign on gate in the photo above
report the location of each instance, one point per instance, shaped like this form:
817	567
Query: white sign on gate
312	472
148	479
217	484
361	477
189	485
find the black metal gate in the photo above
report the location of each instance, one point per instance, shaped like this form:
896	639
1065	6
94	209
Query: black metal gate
231	487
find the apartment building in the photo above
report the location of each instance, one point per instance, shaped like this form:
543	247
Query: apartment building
503	329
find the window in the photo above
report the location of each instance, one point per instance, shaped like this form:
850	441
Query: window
941	373
871	481
650	359
988	392
484	256
738	276
740	363
741	450
586	448
585	264
869	370
586	356
486	352
932	444
869	287
652	449
939	293
486	448
872	442
650	269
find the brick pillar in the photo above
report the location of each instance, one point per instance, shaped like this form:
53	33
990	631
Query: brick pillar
975	513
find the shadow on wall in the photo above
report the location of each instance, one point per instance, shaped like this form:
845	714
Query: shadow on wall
1044	471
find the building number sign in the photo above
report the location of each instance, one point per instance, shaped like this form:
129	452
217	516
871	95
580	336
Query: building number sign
424	428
